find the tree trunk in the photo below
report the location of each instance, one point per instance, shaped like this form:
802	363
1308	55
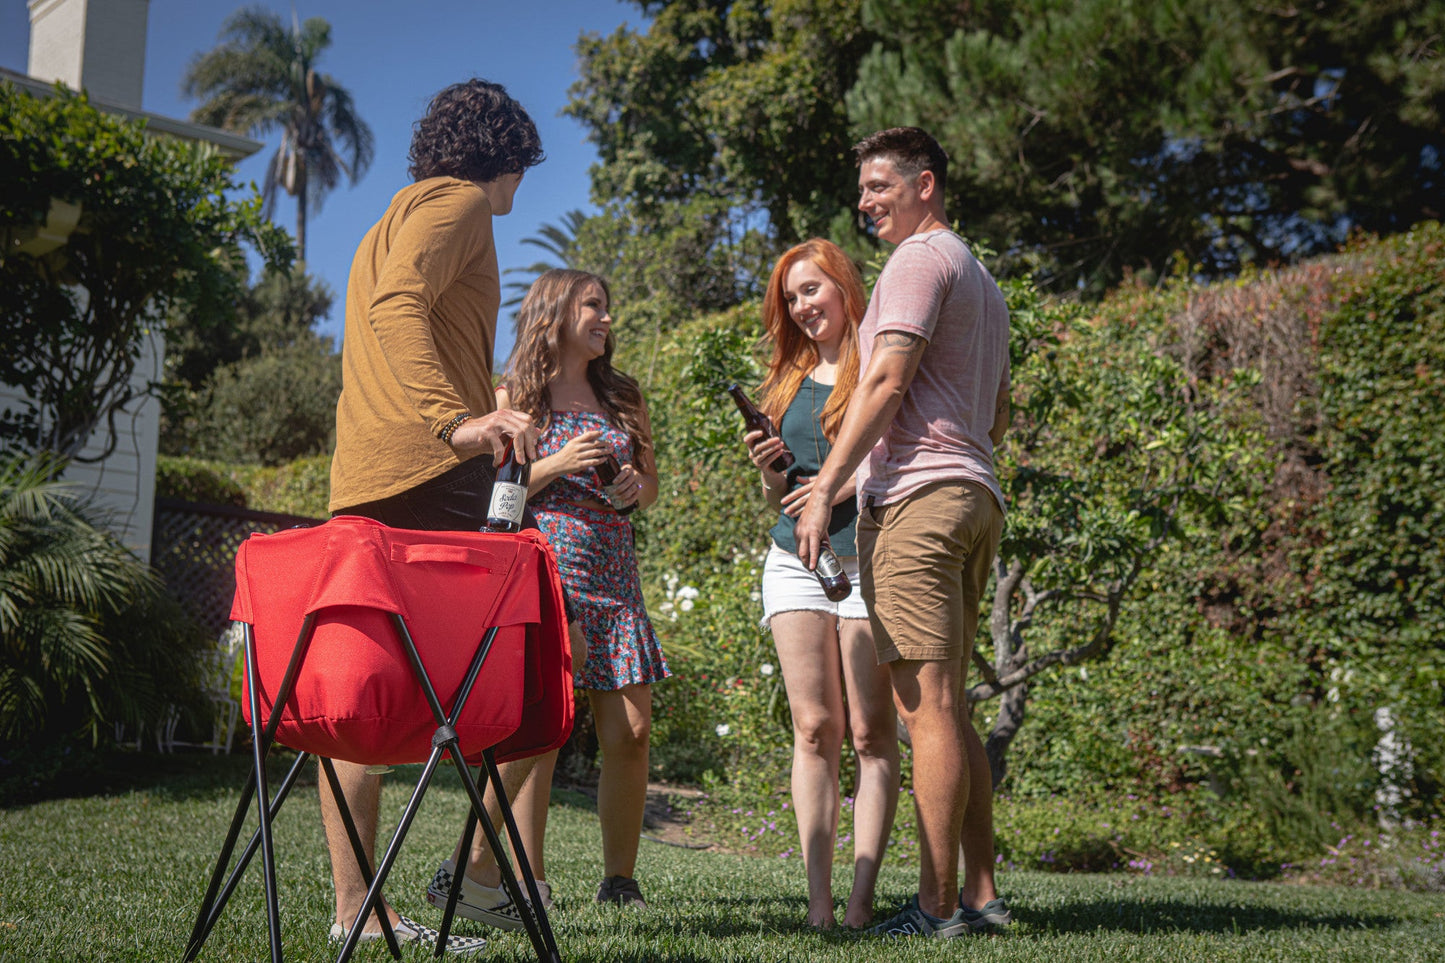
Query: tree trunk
301	212
1011	706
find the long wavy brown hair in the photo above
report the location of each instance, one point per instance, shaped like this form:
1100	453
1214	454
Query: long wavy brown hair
794	353
554	299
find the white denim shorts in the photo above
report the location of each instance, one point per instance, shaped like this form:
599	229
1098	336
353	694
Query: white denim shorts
789	587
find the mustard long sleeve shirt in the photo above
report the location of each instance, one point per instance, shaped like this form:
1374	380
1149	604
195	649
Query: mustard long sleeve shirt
421	321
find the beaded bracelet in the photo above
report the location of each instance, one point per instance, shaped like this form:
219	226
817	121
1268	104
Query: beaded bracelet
450	428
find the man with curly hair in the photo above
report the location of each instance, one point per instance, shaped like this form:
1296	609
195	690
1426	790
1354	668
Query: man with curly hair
417	412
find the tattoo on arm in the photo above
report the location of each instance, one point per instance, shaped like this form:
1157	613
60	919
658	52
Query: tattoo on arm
900	343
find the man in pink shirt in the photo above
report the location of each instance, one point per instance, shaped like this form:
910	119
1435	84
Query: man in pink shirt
920	432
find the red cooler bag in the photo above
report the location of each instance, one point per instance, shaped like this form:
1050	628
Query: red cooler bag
356	696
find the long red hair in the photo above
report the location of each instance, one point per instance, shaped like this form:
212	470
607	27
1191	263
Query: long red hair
794	353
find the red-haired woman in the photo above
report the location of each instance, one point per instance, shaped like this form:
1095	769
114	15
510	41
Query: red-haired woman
812	307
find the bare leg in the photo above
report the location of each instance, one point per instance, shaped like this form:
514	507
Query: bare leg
523	780
875	739
624	731
927	696
807	644
978	855
528	784
363	798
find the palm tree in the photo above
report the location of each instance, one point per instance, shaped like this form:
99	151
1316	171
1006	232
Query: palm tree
264	75
60	574
560	242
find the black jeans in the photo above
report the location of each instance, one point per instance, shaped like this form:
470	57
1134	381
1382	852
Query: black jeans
454	501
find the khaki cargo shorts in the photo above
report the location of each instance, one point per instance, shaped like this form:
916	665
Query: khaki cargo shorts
925	562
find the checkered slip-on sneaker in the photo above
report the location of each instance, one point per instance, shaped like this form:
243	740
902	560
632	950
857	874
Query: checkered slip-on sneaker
410	931
484	904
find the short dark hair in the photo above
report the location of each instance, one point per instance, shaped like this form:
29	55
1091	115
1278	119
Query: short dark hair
911	149
475	131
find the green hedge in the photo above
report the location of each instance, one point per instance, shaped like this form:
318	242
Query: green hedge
1299	599
296	488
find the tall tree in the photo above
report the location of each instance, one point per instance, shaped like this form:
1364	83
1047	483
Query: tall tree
1093	138
264	76
722	128
268	368
151	242
1090	139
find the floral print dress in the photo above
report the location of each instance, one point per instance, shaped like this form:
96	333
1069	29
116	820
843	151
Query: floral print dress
598	563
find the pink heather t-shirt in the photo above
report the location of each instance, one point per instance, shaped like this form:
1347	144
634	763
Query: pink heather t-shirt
934	287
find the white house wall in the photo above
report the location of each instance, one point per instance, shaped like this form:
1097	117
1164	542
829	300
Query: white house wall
97	45
123	487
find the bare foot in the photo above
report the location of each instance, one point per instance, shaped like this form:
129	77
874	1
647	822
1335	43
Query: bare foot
821	917
859	913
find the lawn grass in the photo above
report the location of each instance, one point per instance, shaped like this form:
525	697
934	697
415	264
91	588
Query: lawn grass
118	877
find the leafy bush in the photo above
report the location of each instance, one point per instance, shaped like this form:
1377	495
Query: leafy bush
155	231
87	638
1310	593
301	487
270	409
194	480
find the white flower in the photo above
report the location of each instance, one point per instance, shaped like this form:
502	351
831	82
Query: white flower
755	596
688	592
723	728
686	604
766	668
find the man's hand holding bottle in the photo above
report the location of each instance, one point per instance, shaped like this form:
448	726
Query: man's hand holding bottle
493	432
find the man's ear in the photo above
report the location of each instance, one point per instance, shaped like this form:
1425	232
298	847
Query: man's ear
927	185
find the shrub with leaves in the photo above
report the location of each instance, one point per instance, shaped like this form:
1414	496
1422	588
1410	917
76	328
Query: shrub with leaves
155	232
85	639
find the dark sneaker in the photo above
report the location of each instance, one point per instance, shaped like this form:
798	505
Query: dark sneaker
485	904
410	931
991	915
912	921
622	890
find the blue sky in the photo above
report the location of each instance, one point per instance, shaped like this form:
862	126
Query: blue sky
393	56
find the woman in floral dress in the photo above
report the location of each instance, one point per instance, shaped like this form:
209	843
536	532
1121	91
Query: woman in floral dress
561	374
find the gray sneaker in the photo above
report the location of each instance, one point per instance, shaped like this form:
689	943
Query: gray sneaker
912	921
991	915
622	890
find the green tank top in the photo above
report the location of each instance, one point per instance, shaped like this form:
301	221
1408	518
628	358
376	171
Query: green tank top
802	433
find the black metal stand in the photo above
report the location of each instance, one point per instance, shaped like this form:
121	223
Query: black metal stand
444	742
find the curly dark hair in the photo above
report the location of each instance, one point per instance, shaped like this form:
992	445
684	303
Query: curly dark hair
911	149
474	131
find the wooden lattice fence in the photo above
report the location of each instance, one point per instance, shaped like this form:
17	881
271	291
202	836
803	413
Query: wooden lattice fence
194	546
